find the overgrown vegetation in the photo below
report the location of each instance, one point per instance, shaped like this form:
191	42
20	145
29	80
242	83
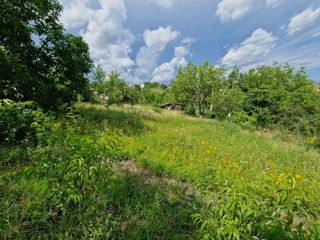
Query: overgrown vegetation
274	97
39	61
61	166
65	185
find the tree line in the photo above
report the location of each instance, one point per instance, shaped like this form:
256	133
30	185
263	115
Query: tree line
276	96
118	91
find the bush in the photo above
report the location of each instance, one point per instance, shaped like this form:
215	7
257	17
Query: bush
256	213
190	110
243	117
16	122
313	142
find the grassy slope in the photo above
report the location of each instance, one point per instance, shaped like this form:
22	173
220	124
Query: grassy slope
219	155
204	152
189	148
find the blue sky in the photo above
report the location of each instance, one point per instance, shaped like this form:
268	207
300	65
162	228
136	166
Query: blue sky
147	40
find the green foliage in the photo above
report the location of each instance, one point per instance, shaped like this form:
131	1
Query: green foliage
154	93
278	97
61	183
114	88
196	85
229	98
70	163
116	121
254	213
99	75
190	110
242	117
39	62
68	189
16	122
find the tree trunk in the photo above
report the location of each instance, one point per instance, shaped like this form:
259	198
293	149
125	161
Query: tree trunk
200	110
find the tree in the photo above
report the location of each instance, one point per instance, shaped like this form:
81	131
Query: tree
229	97
99	75
134	94
196	85
38	61
154	93
278	96
115	88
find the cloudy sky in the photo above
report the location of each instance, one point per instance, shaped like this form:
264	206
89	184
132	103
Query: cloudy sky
148	39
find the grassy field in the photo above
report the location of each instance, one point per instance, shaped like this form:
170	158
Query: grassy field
244	185
257	186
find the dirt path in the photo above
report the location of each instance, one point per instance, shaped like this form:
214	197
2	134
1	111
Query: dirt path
188	190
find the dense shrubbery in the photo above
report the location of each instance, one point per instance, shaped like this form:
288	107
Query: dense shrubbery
17	122
66	172
249	212
280	98
68	190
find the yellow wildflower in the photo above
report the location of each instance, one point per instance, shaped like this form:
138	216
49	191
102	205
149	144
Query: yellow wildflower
210	147
279	178
6	139
202	142
215	148
298	176
219	167
208	151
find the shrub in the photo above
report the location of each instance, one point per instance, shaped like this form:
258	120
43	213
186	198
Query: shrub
190	110
256	213
72	165
16	122
243	117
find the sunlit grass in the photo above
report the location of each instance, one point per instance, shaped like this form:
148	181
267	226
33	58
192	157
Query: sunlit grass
272	176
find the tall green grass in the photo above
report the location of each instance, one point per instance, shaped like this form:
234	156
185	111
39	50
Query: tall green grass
67	187
258	187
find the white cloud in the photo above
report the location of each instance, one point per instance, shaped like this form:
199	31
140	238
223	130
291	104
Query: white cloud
109	42
317	34
188	41
156	41
167	4
146	61
273	3
302	20
166	71
72	15
257	45
181	51
229	10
